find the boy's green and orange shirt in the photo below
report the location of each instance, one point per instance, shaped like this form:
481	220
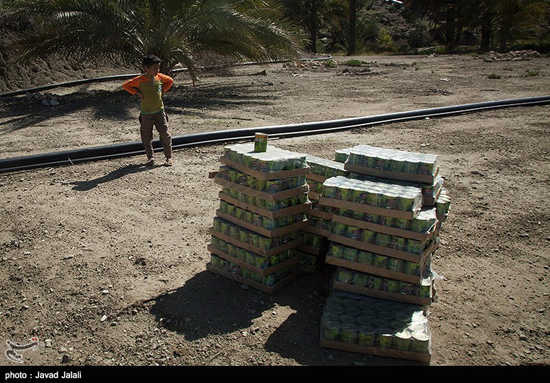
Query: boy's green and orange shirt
152	90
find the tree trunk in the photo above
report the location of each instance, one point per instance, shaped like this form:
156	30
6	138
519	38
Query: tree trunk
352	47
486	31
503	38
313	30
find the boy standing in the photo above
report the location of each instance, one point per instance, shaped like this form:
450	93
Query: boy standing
150	87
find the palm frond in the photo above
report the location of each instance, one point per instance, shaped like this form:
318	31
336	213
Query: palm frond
173	30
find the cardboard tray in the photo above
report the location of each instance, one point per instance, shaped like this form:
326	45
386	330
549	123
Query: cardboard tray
368	208
263	272
266	289
313	195
316	177
257	250
383	250
442	218
400	176
377	351
314	250
319	214
260	194
315	230
369	269
417	236
382	294
260	230
268	176
263	212
429	201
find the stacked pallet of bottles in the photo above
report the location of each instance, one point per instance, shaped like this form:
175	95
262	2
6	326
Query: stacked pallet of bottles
317	231
256	231
374	169
383	237
375	326
381	240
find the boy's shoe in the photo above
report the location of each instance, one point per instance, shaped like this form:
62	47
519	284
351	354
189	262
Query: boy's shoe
169	162
150	162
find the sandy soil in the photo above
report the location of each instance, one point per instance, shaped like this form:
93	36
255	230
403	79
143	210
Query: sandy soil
105	262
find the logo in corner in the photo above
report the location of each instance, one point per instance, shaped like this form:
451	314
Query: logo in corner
14	349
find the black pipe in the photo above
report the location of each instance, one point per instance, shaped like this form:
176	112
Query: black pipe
119	77
69	84
280	131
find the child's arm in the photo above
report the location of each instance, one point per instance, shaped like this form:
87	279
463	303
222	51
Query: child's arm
167	82
132	86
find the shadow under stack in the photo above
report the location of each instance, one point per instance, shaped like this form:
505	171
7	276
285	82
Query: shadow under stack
384	231
256	231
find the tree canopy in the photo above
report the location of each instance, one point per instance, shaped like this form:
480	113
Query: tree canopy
174	30
497	22
179	31
359	25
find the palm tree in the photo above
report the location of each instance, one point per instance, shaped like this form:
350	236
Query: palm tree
354	6
352	46
174	30
310	15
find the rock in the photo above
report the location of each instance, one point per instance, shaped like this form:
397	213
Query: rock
511	56
522	336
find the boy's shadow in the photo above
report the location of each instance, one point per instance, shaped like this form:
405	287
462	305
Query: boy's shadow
115	174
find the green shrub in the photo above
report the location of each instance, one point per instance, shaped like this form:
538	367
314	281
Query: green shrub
330	64
353	62
384	41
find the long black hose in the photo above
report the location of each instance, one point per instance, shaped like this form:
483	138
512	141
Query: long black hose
119	77
280	131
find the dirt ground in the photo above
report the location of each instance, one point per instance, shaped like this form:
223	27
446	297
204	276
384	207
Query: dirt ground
105	262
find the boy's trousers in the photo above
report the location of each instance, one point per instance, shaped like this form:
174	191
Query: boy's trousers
160	121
